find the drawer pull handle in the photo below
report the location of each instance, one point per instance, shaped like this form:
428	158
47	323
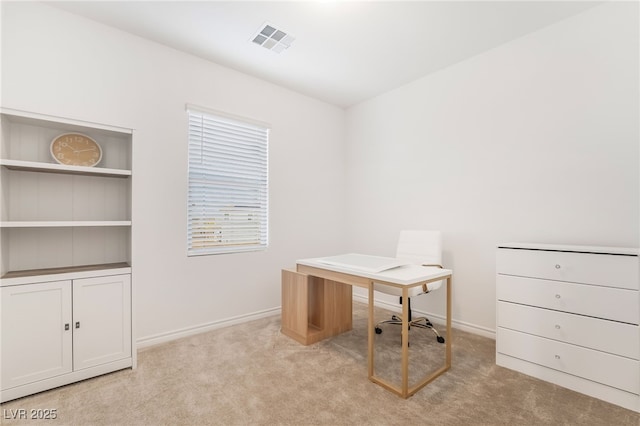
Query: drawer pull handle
557	356
557	296
557	266
557	326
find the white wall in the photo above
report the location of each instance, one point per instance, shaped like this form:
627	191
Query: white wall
59	64
535	140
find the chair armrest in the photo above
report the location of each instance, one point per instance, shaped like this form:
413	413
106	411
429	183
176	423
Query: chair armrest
434	285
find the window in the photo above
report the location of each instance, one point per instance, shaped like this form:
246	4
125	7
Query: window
228	185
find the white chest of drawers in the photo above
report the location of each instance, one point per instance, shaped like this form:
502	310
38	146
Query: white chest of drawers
570	315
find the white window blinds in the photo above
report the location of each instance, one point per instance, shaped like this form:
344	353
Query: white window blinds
228	185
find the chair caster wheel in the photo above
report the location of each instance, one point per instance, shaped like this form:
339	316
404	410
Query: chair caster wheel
378	330
440	339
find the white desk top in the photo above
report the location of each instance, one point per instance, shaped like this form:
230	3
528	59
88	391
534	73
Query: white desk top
363	262
404	274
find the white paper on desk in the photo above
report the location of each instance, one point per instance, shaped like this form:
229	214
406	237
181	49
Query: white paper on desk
363	262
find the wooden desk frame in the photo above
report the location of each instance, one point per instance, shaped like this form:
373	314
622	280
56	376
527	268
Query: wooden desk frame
335	313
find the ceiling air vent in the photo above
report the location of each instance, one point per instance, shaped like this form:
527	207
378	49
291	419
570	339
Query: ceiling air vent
272	38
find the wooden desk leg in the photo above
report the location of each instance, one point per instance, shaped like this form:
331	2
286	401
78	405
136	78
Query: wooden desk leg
448	348
405	343
370	334
404	390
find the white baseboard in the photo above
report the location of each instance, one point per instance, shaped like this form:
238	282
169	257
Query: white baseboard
145	342
157	339
435	318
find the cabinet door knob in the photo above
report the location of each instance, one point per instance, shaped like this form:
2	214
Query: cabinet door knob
557	356
66	327
557	266
557	326
78	324
557	296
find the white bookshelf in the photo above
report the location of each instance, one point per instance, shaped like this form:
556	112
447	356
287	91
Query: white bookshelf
65	247
62	224
34	166
55	216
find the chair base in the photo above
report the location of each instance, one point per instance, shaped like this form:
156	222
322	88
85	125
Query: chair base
421	322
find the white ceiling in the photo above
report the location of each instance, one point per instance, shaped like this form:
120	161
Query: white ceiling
345	51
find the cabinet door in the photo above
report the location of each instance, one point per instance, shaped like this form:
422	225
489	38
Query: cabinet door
101	320
36	332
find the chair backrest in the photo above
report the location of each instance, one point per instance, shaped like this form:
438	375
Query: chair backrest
420	247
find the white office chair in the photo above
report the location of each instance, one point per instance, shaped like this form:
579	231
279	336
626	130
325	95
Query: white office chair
421	248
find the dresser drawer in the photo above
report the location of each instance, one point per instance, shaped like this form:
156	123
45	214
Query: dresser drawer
588	268
607	336
611	370
600	302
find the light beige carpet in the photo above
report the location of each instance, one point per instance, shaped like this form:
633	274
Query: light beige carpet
251	374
